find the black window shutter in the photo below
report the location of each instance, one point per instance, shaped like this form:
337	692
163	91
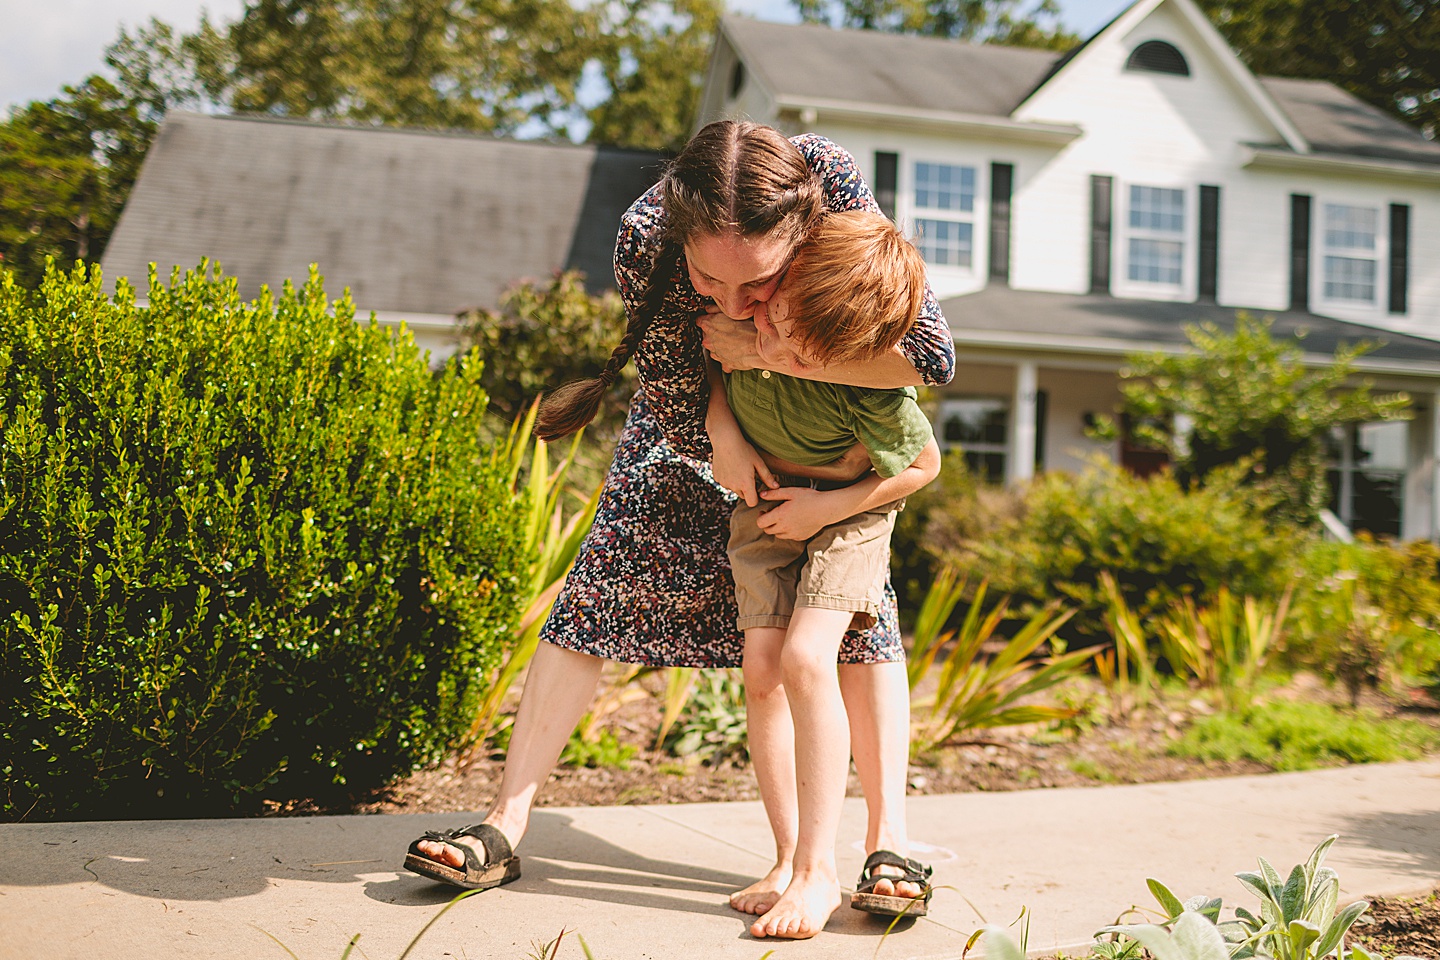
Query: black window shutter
1399	256
1209	243
1002	183
1100	190
887	177
1299	251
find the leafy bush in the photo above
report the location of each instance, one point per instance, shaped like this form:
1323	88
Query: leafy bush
938	524
244	548
1366	607
712	723
1245	398
1302	736
547	333
1160	543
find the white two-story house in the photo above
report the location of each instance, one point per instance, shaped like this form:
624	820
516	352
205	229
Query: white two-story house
1076	208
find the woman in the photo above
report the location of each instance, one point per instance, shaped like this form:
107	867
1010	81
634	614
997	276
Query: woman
652	581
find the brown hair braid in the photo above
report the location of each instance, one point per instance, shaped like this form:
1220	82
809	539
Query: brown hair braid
733	176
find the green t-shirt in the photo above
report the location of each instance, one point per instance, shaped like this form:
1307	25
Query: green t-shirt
812	423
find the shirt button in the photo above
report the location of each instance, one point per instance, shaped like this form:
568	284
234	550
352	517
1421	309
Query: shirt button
765	374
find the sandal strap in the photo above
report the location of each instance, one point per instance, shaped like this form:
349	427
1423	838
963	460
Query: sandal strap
497	848
915	872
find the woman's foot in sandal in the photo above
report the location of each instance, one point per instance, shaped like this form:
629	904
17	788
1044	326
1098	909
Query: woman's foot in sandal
476	857
891	885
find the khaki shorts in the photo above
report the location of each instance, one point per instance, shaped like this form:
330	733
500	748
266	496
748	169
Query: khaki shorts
843	567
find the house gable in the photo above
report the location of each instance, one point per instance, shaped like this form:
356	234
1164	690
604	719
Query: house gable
1181	24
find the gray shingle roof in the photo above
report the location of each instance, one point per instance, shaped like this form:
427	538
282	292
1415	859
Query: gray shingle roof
810	61
806	60
1054	321
1336	121
408	220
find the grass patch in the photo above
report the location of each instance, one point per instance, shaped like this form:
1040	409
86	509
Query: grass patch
1088	768
1303	736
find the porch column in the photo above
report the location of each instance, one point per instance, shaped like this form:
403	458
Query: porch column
1434	533
1020	465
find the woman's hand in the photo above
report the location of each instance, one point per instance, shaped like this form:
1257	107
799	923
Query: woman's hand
731	342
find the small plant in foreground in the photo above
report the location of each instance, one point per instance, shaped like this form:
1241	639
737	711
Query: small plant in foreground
1298	919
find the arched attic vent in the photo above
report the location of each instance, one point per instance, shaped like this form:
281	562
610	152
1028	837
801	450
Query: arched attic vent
737	79
1157	56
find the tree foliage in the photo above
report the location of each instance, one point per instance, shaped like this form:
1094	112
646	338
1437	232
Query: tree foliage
1245	398
652	63
66	166
489	65
988	21
1386	52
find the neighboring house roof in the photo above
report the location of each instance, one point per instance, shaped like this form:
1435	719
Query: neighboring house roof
800	62
866	66
1001	318
1337	121
430	223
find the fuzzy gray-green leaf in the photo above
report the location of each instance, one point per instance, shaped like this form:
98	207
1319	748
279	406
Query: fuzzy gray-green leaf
1292	896
1339	925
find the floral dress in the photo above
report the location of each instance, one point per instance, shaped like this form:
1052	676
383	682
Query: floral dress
652	583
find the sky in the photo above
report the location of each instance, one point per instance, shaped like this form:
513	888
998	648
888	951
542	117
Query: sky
45	44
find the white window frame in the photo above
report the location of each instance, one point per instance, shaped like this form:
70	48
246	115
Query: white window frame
1345	440
1187	238
1322	250
974	217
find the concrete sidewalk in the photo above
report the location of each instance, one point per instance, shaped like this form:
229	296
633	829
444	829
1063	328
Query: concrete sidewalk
651	882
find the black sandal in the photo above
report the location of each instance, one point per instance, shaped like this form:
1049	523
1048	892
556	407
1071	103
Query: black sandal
500	867
915	872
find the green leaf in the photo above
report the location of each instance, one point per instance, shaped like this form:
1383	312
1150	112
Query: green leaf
1339	926
1167	900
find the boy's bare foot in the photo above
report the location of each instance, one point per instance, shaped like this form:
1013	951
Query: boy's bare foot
762	895
802	909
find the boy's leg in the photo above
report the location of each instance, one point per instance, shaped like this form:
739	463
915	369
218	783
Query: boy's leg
877	700
772	756
822	762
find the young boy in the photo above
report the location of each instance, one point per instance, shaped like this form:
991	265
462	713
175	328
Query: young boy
810	558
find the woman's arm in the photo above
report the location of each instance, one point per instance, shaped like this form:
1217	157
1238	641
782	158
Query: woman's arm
733	344
804	511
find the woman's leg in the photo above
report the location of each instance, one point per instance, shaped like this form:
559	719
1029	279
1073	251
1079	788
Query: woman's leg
877	699
822	764
771	736
559	685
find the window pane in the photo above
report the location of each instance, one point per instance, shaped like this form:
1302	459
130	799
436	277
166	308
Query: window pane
1155	261
1349	278
1157	208
945	242
1381	446
975	422
1377	502
1350	228
940	186
989	466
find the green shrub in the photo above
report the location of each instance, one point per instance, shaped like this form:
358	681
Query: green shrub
245	548
938	524
1159	542
1302	736
1350	594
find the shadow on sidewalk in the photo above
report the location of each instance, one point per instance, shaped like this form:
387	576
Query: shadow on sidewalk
1414	837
